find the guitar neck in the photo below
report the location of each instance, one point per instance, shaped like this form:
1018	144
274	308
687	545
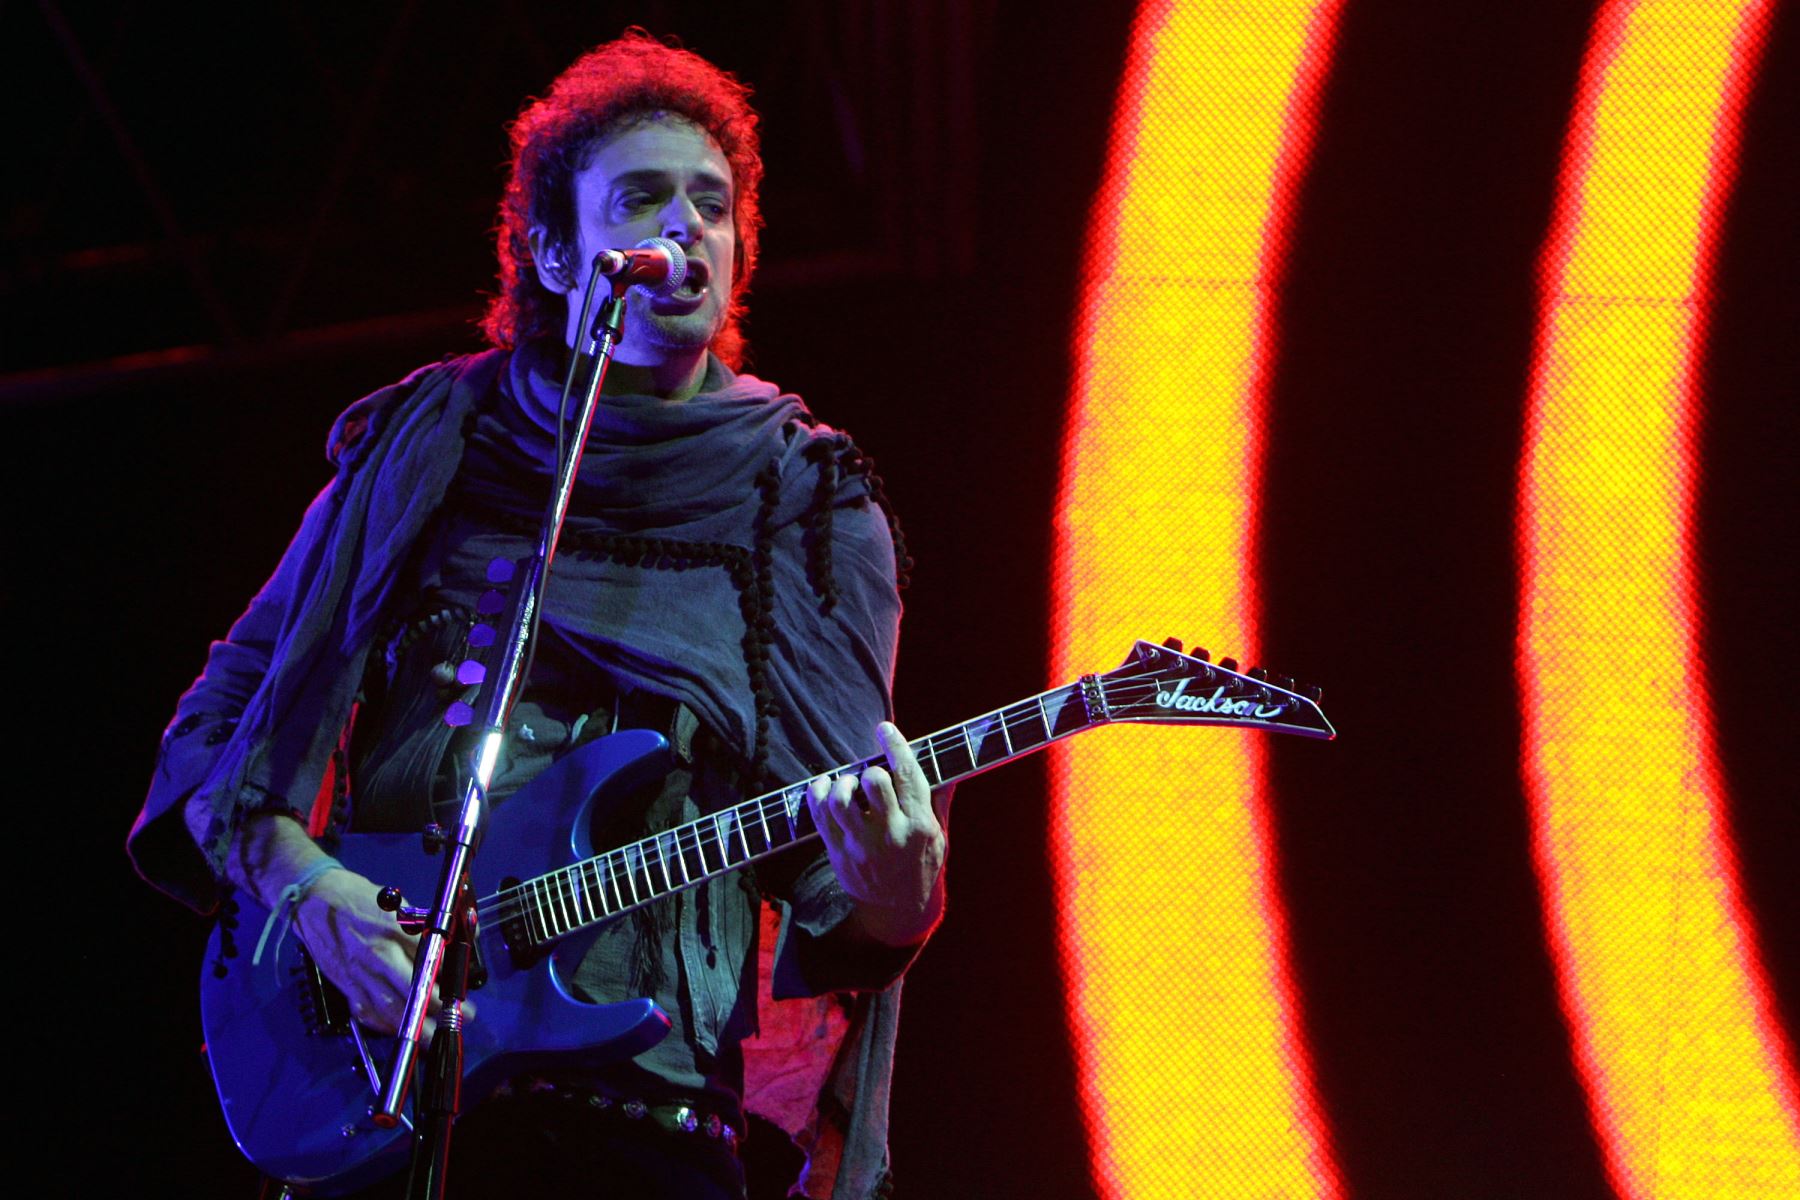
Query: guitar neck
595	889
1157	684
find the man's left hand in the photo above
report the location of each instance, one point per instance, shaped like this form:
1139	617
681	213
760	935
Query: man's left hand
885	835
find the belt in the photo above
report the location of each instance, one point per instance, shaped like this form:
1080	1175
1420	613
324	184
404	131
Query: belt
683	1120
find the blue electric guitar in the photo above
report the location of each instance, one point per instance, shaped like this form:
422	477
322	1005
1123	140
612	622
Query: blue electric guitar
297	1076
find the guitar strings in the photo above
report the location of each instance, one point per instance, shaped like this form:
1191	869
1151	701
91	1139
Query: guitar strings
568	890
555	889
750	814
556	896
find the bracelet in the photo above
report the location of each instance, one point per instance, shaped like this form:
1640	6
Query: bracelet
310	876
287	905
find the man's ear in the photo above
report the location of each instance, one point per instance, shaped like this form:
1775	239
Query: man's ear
554	270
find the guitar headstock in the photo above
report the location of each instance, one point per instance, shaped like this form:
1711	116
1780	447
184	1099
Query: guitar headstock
1162	685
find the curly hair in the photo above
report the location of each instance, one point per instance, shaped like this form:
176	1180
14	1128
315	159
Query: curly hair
610	88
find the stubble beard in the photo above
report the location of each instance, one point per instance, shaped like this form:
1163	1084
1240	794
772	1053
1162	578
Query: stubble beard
674	331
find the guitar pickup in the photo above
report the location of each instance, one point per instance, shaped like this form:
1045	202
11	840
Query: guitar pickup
522	947
478	974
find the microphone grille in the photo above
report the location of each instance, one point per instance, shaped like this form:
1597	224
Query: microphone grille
677	267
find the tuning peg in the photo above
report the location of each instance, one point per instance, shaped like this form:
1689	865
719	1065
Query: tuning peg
1172	644
1229	663
1200	653
1313	692
1260	674
1284	682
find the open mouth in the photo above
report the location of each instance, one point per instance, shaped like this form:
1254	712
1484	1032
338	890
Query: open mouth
698	276
689	297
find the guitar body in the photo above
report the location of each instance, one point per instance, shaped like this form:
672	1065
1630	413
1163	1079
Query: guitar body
284	1056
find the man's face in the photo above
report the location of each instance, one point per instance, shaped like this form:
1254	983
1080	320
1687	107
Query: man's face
661	178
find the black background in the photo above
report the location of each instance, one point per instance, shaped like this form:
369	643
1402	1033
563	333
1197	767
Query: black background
224	225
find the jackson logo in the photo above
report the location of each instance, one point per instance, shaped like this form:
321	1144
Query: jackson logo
1178	699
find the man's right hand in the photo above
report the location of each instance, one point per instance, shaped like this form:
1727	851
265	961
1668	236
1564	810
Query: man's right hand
358	945
361	948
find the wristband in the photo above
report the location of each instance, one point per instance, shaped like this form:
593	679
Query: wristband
287	905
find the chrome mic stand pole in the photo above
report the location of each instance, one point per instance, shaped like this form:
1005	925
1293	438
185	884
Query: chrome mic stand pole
448	927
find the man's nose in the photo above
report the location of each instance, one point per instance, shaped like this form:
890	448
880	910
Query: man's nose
681	222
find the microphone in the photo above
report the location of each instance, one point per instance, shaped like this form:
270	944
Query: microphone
655	266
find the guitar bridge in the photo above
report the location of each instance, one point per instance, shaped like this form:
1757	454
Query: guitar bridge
322	1006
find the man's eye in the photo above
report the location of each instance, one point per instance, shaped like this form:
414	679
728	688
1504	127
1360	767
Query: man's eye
631	201
717	210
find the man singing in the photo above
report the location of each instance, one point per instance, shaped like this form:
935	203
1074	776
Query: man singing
727	576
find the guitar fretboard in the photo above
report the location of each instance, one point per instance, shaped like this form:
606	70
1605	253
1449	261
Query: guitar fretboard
552	906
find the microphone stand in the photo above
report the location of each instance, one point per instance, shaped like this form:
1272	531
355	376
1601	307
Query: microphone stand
448	928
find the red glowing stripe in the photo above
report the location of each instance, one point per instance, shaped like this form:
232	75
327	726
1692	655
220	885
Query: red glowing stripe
1687	1070
1194	1078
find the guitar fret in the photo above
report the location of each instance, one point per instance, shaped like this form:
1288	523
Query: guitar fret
640	859
587	888
762	818
612	874
968	742
544	911
668	882
931	752
552	918
681	859
562	905
1005	734
737	823
690	841
522	895
534	918
723	838
1049	708
570	882
631	876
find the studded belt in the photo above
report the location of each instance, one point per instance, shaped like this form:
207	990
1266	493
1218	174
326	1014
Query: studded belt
684	1120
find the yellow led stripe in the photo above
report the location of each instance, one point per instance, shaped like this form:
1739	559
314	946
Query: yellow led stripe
1194	1081
1688	1075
